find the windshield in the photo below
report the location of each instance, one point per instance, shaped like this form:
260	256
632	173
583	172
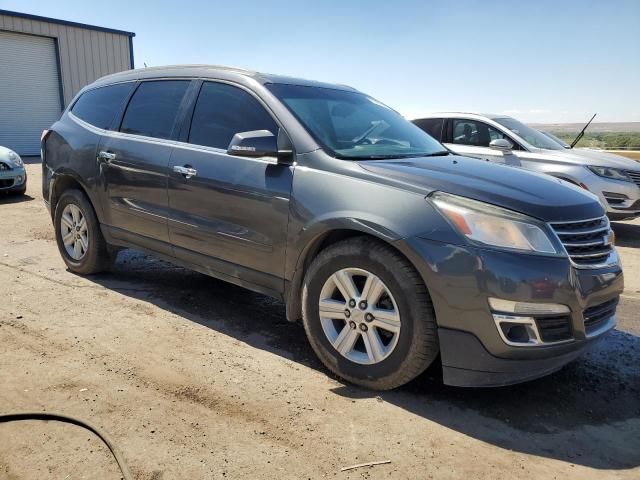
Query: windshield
532	136
351	125
556	139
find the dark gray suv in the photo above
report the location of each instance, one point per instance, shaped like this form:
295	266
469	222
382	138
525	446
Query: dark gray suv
390	249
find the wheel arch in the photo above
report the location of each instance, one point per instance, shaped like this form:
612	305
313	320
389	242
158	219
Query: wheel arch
64	180
312	249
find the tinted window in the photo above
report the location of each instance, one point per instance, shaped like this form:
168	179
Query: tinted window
475	133
222	111
153	109
433	126
99	106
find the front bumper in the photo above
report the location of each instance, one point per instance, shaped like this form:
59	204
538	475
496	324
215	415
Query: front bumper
462	278
13	179
621	200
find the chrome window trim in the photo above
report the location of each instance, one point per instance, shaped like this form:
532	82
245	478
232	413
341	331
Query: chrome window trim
165	142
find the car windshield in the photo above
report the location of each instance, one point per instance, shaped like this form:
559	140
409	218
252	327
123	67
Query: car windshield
532	136
351	125
557	140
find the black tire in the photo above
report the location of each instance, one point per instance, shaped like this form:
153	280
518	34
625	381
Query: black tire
96	258
417	346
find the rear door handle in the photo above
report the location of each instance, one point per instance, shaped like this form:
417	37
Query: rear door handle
187	171
106	156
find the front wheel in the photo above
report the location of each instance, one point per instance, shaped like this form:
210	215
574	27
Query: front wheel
368	315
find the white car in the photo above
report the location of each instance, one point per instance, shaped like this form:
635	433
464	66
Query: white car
13	176
501	139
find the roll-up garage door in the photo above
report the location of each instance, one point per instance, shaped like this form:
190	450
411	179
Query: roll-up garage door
29	90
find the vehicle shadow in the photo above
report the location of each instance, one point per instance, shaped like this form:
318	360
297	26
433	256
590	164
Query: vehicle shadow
8	198
586	414
627	234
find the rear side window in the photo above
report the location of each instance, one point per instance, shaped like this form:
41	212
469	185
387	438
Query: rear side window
222	111
153	109
99	106
433	126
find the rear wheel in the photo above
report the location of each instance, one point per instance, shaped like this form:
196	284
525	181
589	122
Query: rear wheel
78	234
368	315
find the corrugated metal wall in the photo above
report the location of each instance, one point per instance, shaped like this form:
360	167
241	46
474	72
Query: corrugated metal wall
85	54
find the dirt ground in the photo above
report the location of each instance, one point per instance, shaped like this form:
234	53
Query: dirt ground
194	378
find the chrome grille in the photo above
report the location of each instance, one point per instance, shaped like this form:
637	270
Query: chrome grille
586	241
4	166
635	176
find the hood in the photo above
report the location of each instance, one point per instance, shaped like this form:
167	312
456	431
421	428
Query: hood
537	195
4	153
587	156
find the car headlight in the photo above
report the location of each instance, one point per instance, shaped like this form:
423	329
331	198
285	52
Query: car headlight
491	225
15	159
612	173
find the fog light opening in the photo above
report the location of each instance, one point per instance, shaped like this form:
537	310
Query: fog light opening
517	331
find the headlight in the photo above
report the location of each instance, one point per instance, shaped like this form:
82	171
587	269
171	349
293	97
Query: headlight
15	159
491	225
613	173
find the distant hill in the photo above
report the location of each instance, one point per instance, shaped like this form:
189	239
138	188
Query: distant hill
595	127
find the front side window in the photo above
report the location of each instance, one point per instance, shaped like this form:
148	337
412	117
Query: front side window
100	105
530	135
222	111
351	125
153	109
475	133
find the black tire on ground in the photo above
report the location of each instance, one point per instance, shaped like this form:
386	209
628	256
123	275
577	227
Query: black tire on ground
96	258
417	345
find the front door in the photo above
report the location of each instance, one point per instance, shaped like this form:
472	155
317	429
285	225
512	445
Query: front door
471	138
227	213
134	164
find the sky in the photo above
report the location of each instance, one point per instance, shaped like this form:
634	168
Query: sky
537	60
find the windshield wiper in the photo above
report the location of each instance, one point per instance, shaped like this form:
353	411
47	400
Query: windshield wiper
391	156
441	153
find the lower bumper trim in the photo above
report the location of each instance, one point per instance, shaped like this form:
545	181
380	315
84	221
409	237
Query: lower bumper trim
466	363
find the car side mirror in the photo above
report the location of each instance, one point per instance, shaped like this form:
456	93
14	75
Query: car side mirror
502	145
262	143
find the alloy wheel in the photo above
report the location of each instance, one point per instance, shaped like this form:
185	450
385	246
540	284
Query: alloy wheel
74	231
359	316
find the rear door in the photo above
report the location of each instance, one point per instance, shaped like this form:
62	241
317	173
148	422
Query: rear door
432	126
471	138
134	163
230	213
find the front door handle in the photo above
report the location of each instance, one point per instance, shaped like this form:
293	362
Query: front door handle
106	156
187	171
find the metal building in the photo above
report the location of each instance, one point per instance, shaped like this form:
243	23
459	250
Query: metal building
44	62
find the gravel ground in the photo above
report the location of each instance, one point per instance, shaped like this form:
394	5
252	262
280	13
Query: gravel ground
195	378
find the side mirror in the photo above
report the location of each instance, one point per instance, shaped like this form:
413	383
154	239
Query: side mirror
501	144
262	143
